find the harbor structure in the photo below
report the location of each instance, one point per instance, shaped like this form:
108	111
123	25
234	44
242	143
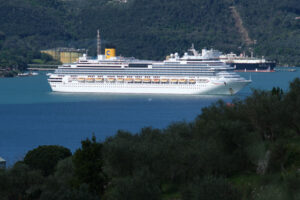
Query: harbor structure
65	55
2	163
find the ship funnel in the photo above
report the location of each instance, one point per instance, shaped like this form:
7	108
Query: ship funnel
110	53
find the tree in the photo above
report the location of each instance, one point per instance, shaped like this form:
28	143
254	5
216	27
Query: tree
59	185
292	103
20	182
88	166
46	157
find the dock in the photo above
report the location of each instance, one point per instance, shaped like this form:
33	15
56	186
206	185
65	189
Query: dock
40	67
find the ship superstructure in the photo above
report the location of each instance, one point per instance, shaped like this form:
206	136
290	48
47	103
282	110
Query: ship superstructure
175	75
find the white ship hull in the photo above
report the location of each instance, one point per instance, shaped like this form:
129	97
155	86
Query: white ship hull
211	88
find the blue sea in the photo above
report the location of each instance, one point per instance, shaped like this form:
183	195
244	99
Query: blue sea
32	115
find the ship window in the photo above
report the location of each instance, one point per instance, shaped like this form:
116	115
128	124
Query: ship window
138	65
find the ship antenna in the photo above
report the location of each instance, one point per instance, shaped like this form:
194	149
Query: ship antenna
98	43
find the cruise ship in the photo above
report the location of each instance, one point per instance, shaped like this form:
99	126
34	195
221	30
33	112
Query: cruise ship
175	75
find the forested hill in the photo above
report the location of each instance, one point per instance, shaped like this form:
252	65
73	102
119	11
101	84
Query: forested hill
150	29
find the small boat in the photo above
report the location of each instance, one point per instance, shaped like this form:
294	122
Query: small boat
34	73
23	74
164	80
156	80
203	80
174	80
28	74
120	79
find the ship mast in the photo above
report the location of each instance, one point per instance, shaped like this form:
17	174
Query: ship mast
98	43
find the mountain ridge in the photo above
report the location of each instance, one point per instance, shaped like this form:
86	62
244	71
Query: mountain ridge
153	29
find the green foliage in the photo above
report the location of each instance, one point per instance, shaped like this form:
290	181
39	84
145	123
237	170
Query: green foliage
59	186
259	109
20	182
45	158
231	135
210	188
285	156
141	185
292	107
88	166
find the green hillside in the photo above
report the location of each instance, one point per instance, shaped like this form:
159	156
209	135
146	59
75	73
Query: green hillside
274	24
147	29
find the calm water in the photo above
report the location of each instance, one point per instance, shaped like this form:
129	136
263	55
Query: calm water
32	115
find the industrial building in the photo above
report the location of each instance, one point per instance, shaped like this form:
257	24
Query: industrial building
65	55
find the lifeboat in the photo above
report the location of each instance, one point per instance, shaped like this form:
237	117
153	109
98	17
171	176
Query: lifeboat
138	80
182	80
81	79
99	79
174	80
120	79
146	80
128	80
192	81
164	80
90	79
156	80
110	79
203	80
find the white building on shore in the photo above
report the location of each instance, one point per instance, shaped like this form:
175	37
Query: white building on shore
2	163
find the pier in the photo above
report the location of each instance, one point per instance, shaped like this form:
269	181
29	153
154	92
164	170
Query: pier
285	69
40	67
